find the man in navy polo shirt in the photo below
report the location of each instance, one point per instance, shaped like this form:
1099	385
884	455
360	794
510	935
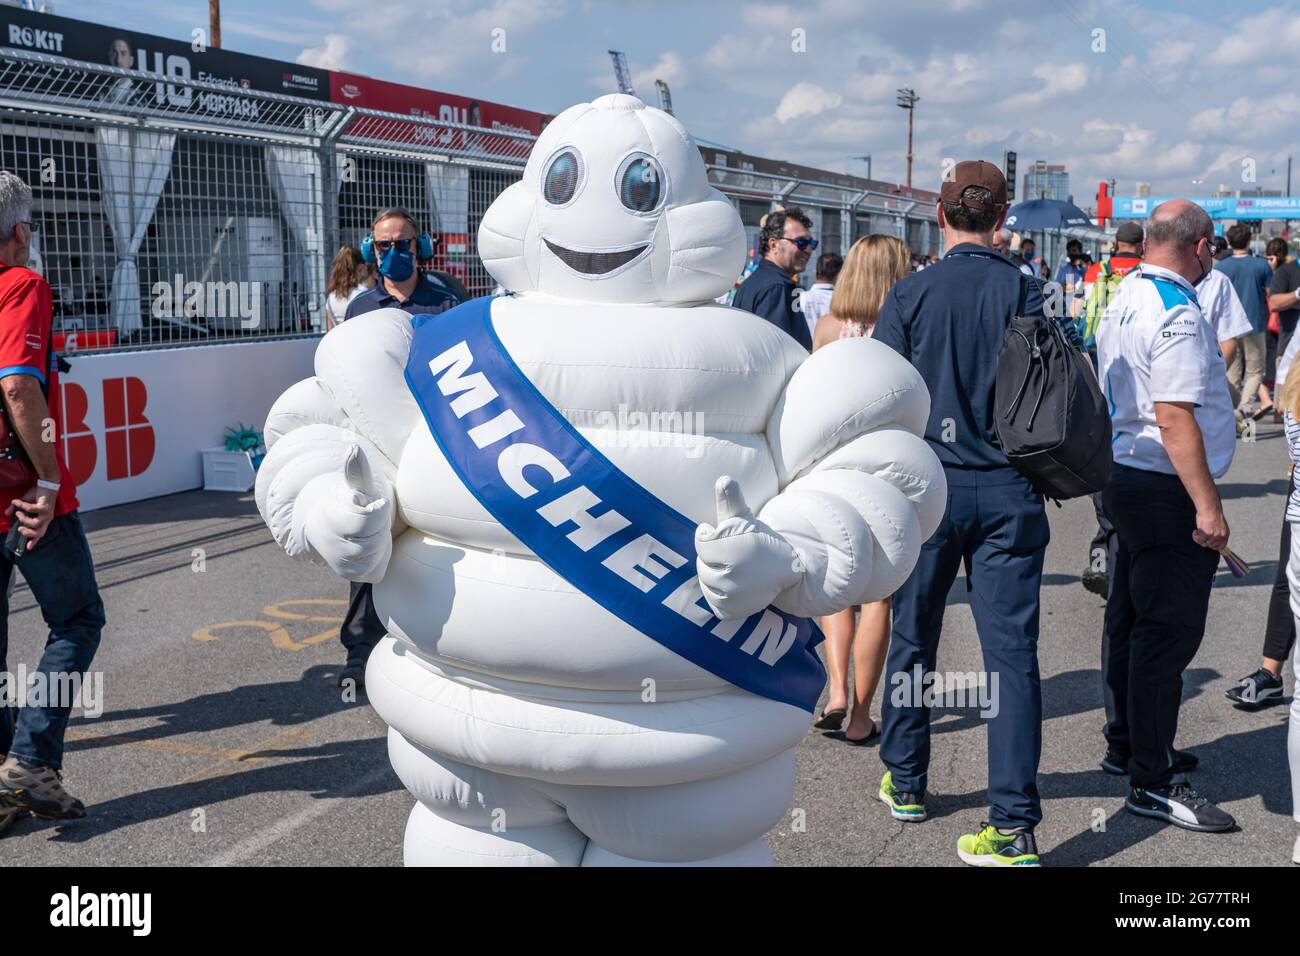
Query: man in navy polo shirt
769	292
948	321
401	286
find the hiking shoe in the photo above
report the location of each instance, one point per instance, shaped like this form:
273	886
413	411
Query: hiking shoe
1096	582
38	790
988	847
908	807
1116	763
1255	689
1180	805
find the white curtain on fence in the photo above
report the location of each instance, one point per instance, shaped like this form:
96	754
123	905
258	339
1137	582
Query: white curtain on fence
295	175
448	196
133	169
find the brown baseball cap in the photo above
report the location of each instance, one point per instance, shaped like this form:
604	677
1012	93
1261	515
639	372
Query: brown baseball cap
974	172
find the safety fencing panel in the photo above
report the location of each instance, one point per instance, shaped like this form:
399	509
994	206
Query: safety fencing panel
177	212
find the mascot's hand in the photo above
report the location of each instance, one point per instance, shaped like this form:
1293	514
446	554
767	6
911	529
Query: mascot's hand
742	563
348	523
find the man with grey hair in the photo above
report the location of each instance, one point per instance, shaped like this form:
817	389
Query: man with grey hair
46	542
1174	434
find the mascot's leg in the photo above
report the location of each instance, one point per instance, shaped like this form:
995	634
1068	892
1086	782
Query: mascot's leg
467	816
718	821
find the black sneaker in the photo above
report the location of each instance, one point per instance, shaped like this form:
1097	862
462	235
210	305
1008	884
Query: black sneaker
1096	582
1116	764
1180	805
1256	689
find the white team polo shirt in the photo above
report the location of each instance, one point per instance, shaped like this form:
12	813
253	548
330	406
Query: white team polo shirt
1155	345
1222	307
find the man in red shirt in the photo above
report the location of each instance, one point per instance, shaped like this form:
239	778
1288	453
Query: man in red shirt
55	559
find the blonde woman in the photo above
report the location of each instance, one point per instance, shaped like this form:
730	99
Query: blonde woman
872	266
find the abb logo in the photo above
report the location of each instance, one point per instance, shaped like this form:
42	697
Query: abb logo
128	436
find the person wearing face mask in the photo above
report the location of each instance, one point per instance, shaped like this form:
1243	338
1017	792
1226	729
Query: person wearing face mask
395	247
1174	434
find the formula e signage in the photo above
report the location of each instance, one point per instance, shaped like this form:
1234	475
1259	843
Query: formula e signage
1219	207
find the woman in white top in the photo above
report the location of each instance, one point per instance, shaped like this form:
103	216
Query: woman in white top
872	266
349	277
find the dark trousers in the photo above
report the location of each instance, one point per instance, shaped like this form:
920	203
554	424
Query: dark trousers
61	575
361	628
1101	553
1279	630
1155	617
996	526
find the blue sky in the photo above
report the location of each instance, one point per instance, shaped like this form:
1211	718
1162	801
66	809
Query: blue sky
1165	92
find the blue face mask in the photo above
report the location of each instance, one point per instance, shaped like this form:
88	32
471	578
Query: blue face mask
397	264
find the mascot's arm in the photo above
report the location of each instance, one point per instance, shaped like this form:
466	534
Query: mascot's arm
861	490
326	486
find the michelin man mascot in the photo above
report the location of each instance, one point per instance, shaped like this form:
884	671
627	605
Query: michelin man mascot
599	649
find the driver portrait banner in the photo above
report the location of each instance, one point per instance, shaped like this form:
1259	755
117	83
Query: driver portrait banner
588	521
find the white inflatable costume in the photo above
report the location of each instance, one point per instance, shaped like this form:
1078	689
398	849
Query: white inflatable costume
532	725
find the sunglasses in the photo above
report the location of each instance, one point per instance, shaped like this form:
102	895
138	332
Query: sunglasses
403	245
802	242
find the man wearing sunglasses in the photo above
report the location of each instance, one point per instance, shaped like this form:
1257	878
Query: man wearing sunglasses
396	245
402	285
787	244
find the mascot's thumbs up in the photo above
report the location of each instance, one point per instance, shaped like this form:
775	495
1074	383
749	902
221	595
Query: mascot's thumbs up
347	520
742	563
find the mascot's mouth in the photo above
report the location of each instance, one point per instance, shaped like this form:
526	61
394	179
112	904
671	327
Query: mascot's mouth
594	263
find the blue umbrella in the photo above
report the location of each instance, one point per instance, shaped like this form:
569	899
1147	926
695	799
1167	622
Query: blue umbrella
1046	215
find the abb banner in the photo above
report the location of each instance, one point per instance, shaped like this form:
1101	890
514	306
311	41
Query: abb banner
134	424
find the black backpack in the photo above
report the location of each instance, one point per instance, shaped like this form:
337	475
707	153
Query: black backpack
1051	418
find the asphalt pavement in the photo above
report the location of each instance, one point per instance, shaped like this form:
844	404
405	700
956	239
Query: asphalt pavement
224	741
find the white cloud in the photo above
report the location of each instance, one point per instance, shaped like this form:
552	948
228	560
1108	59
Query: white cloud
1168	53
670	67
806	99
332	54
1272	34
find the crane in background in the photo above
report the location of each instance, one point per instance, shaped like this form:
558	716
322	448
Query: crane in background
621	72
665	97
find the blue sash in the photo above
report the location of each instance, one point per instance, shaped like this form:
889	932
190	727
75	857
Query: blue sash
589	522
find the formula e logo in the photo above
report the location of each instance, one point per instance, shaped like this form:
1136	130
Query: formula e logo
128	438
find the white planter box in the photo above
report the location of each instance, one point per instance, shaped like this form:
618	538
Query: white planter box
228	470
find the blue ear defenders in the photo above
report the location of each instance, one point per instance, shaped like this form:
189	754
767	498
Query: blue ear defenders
423	248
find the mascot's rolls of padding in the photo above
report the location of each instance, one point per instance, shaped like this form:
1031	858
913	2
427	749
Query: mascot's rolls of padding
537	712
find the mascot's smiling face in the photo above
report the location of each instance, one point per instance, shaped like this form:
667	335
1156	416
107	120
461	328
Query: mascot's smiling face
614	206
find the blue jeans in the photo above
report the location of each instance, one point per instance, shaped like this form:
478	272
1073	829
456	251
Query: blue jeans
61	575
996	526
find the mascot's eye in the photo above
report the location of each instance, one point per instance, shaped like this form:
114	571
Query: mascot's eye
561	179
640	183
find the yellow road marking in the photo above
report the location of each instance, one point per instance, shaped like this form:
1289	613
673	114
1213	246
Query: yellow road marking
278	633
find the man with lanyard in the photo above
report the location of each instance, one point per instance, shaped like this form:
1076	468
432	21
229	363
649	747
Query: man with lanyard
1100	282
1174	435
55	560
949	321
394	246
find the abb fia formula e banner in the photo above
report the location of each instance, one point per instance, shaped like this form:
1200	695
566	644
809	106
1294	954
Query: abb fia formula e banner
133	424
